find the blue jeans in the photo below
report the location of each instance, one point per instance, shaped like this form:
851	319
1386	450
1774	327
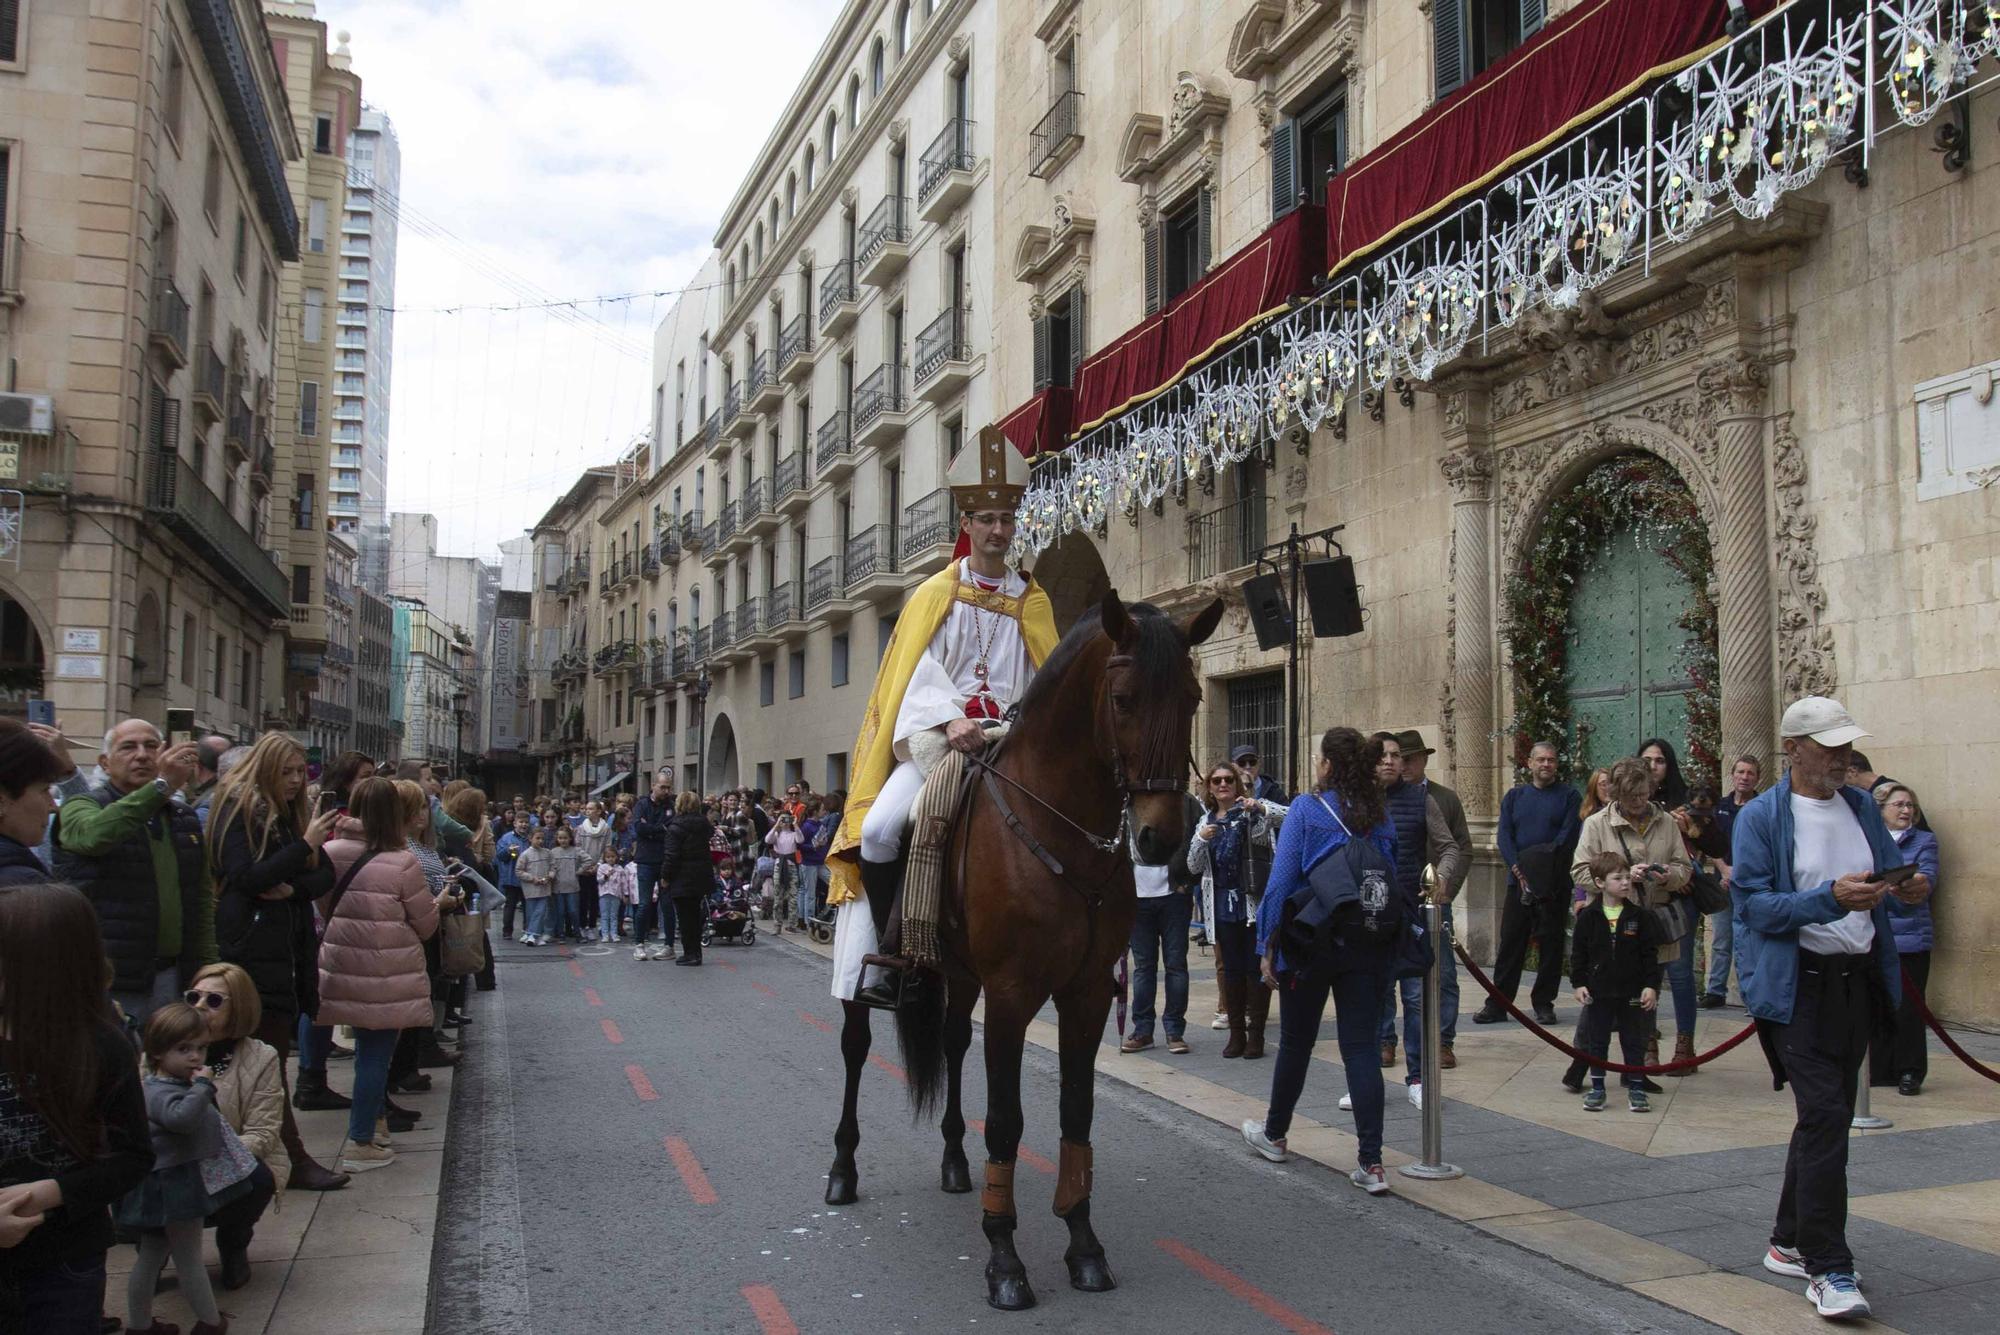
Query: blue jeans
1412	990
805	896
315	1043
1162	923
1357	997
1680	978
607	917
1721	951
540	911
648	874
372	1050
566	915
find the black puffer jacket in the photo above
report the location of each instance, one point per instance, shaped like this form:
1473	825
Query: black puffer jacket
19	865
686	870
649	825
119	880
272	939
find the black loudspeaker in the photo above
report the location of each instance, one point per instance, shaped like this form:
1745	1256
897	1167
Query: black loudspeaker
1331	597
1270	614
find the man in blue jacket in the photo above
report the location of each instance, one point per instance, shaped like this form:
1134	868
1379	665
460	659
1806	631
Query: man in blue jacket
1816	958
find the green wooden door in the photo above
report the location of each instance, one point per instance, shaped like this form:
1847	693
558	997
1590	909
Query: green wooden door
1625	676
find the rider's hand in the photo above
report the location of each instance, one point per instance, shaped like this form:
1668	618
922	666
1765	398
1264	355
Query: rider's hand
962	734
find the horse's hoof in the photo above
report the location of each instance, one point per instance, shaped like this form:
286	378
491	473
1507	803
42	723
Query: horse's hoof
1009	1293
954	1176
1090	1274
842	1188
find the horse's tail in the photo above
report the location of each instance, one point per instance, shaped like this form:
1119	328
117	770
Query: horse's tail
920	1036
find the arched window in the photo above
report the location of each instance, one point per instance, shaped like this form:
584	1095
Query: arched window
876	66
809	171
732	282
853	103
774	218
758	235
903	29
791	196
832	135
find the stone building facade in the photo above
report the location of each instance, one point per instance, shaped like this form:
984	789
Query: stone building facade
1813	379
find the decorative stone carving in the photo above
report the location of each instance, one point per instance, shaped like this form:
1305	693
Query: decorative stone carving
1454	414
1149	212
1734	381
1469	626
1188	94
1037	308
1530	473
1062	212
1805	647
958	49
1469	471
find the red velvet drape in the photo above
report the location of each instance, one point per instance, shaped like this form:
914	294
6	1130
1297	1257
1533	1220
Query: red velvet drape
1570	72
1041	424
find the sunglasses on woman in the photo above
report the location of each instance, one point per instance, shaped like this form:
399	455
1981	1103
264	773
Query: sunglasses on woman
1222	781
214	1001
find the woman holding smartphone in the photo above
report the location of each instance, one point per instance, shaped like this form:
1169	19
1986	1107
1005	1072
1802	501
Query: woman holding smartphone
265	847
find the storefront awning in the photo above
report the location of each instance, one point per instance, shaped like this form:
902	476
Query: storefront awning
614	781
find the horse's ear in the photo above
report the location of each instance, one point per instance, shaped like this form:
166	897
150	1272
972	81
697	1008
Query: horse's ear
1112	617
1202	624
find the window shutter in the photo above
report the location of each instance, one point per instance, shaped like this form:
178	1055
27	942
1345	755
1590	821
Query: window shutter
1284	167
170	426
1042	354
1534	13
1204	231
158	418
1448	41
1154	279
1075	333
10	30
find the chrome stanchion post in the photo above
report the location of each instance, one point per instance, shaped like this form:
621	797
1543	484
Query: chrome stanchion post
1864	1119
1432	1166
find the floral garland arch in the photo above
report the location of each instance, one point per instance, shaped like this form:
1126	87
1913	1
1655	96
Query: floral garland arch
1642	494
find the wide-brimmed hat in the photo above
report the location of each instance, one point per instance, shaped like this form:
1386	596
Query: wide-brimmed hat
1411	743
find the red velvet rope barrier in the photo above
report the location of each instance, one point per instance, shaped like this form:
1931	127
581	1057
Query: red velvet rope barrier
1916	998
1668	1068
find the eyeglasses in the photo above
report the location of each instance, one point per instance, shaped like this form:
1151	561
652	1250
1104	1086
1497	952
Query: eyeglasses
214	1001
1222	781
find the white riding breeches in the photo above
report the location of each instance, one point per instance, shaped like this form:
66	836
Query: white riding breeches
887	823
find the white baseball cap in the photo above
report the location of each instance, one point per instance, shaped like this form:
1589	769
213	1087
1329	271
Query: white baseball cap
1821	718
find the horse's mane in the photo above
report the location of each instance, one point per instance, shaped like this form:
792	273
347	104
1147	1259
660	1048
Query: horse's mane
1159	657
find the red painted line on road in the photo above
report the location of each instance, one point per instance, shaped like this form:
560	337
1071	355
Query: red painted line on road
590	995
724	965
771	1315
1240	1288
766	989
816	1022
882	1063
563	951
640	1084
689	1167
610	1028
576	968
1021	1152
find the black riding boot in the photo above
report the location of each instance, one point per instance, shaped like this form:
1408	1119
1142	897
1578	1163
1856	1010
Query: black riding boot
882	882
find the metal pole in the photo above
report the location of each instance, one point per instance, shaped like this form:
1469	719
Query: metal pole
1865	1120
1432	1167
1292	670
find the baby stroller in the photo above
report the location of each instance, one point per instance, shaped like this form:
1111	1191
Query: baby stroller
820	925
730	918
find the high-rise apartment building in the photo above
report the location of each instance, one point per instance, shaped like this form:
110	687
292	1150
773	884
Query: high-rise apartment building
364	336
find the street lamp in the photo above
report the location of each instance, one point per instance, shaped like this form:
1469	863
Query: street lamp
458	699
698	694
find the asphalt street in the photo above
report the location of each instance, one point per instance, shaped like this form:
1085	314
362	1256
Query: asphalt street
635	1146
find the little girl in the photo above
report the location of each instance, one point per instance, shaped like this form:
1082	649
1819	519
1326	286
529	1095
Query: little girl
198	1165
617	885
568	863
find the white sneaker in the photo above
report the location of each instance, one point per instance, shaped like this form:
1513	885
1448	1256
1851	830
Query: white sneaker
1416	1096
1785	1261
638	952
1836	1294
361	1158
1370	1179
659	953
1221	1020
1347	1103
1254	1137
529	940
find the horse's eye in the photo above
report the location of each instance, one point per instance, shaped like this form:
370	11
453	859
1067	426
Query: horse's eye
1122	703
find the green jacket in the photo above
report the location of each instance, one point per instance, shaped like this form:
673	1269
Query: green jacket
139	858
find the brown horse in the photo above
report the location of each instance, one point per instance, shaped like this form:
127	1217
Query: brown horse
1092	774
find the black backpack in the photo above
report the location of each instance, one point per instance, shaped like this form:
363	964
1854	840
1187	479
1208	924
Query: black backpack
1349	915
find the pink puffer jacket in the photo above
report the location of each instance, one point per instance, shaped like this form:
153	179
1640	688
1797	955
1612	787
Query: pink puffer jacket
371	960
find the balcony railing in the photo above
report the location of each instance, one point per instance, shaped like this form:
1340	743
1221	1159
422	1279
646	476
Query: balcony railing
1225	538
796	340
756	501
749	618
823	584
928	522
711	428
943	340
732	404
950	152
871	552
722	633
881	392
649	560
176	493
778	606
888	224
211	380
725	523
1056	132
760	375
832	441
690	530
790	477
836	291
170	321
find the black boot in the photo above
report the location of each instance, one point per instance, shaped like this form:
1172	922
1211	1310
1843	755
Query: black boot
882	882
313	1094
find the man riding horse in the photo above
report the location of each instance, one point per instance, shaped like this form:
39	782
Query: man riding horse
962	653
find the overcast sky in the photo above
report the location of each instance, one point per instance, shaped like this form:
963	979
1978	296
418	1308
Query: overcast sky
576	151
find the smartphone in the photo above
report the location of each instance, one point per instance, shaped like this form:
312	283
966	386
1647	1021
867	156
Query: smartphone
180	726
42	712
1897	875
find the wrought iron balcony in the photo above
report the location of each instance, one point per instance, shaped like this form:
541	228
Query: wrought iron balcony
711	428
823	584
725	523
795	347
870	555
1225	538
789	482
735	422
579	574
690	530
930	528
757	514
238	428
839	299
778	606
211	384
833	446
1051	141
649	560
749	620
169	329
943	341
723	633
176	494
949	155
879	404
882	245
763	391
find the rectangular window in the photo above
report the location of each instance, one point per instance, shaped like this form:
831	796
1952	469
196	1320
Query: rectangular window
243	681
265	299
316	226
305	501
1471	36
795	771
1182	236
764	775
312	320
798	673
767	682
1257	718
187	649
242	249
176	88
211	185
885	630
836	771
839	660
308	408
219	665
302	585
322	134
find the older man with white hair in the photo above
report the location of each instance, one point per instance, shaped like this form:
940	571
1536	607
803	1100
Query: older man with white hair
1816	957
135	849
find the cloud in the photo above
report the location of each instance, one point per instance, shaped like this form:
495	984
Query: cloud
584	150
